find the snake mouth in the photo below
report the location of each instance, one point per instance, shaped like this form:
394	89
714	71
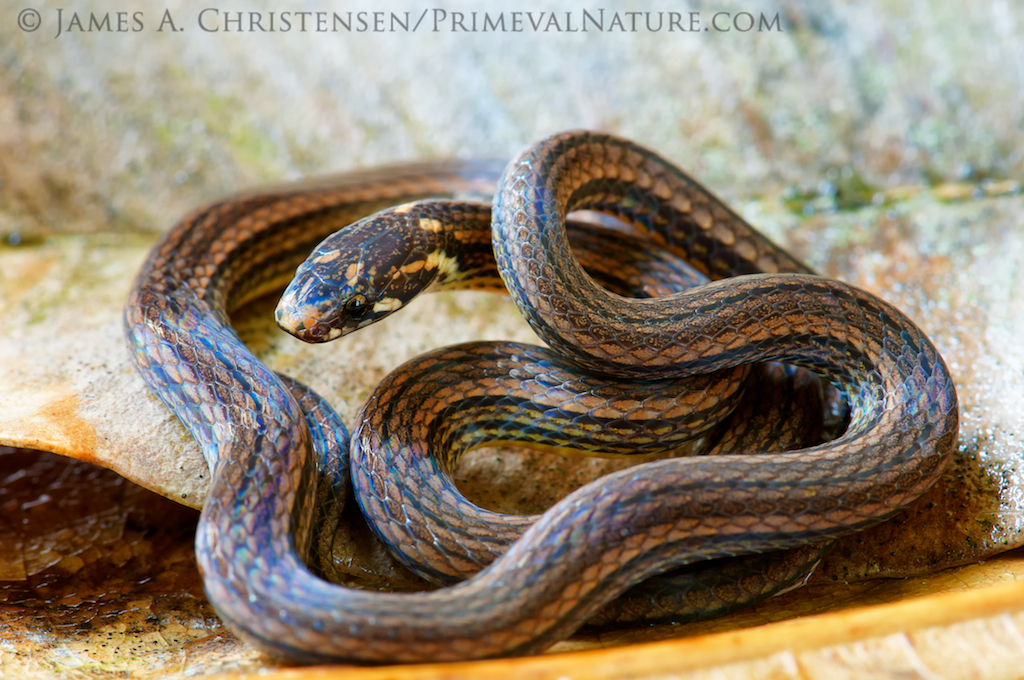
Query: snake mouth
320	332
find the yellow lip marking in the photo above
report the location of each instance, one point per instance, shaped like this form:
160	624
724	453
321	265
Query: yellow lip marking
387	305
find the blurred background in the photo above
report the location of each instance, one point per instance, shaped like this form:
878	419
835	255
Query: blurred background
123	131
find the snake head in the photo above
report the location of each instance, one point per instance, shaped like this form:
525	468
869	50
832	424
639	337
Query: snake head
356	277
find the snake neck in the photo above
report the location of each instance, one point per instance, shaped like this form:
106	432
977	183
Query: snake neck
384	261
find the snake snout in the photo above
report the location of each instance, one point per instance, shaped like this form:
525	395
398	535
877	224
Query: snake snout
303	324
306	309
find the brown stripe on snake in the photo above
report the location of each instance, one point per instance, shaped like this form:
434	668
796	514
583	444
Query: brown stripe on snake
587	548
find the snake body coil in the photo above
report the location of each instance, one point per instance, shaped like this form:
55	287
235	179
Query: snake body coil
255	527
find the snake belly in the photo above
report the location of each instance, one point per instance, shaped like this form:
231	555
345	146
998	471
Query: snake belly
255	526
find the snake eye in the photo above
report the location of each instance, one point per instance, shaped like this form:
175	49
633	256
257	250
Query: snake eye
357	305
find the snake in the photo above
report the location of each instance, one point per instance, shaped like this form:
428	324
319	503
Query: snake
228	253
528	396
257	522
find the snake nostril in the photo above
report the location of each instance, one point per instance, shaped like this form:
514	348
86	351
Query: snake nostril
318	331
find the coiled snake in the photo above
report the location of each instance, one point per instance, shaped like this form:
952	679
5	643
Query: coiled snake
256	525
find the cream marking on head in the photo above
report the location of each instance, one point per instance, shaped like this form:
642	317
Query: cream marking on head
411	268
329	256
444	264
404	208
429	224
